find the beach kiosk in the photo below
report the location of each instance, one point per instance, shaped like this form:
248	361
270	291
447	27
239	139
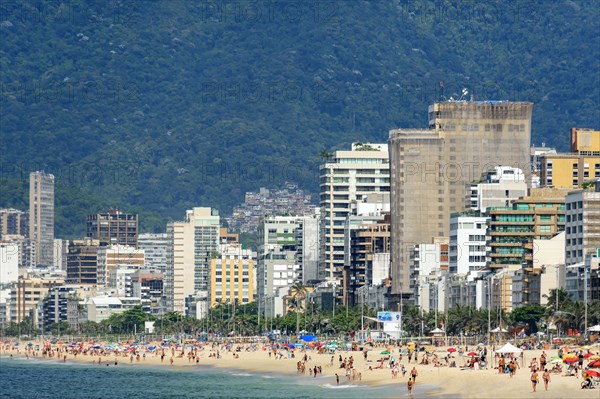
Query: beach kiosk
437	336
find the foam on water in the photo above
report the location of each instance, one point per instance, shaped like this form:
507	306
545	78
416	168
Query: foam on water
331	386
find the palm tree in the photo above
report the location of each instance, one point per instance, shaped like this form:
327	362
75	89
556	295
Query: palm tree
298	291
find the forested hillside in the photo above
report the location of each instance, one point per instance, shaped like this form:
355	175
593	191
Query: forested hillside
156	107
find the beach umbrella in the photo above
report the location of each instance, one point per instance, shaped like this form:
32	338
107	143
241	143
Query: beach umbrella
451	350
594	357
570	360
588	355
384	352
593	373
569	356
471	354
594	364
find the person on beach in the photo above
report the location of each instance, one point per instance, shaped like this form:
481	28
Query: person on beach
337	379
546	378
409	385
414	374
534	380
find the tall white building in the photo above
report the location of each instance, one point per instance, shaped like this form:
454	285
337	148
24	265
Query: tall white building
155	250
277	261
467	250
193	242
345	180
41	216
582	226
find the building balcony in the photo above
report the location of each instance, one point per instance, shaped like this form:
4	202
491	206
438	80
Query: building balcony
505	244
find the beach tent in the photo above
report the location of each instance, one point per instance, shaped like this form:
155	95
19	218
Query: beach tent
595	328
308	338
509	348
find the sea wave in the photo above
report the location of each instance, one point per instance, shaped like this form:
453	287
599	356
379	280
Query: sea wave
331	386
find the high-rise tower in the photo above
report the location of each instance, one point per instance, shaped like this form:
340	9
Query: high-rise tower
41	216
431	169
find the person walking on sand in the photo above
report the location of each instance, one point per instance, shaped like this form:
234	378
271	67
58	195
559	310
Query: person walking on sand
414	374
534	380
546	378
409	385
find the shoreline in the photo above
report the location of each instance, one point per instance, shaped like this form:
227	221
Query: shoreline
438	382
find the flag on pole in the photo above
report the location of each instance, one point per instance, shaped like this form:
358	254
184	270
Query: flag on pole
522	332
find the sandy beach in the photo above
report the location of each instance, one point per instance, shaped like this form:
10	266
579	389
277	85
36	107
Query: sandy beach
440	381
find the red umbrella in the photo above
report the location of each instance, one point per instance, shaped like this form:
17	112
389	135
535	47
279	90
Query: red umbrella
594	364
588	355
451	350
593	373
571	360
471	354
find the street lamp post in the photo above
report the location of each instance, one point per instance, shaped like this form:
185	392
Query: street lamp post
585	293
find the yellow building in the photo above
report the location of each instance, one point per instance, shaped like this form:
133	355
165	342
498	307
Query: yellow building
232	275
568	170
571	170
585	142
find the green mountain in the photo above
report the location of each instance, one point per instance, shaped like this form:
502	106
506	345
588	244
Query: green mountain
156	107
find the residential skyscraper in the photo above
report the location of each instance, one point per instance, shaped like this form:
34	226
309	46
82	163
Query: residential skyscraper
41	216
345	179
114	227
193	242
432	169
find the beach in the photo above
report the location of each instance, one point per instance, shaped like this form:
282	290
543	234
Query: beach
431	381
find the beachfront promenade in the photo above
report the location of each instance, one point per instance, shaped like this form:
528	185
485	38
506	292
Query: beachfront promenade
481	380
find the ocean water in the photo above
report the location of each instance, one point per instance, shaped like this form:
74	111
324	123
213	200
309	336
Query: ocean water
21	378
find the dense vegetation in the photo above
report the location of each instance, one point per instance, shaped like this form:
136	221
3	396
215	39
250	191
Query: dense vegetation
156	107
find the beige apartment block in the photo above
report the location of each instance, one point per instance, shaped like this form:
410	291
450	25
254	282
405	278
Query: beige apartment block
431	170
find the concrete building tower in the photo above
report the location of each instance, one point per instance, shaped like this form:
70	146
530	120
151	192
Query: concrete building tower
41	216
431	170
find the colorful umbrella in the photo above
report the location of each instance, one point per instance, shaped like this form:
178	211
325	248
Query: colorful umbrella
471	354
594	357
594	364
588	355
570	360
384	353
593	373
451	350
569	356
